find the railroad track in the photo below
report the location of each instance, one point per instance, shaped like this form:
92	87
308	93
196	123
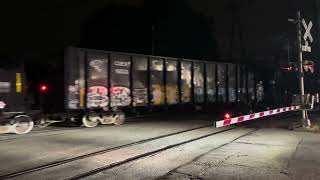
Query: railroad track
105	152
144	155
108	152
41	131
70	160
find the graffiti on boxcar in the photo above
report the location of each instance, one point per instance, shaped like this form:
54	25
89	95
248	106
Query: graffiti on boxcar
122	63
211	82
120	96
157	94
98	68
185	82
157	87
198	83
172	94
73	96
97	91
251	87
260	92
140	97
222	94
211	95
171	82
232	95
140	81
120	81
97	97
199	95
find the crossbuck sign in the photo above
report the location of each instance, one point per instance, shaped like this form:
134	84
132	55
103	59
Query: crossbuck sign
307	36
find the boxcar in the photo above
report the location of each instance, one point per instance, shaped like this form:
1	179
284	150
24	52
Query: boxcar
13	117
100	84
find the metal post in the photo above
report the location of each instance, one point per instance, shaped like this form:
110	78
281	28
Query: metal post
304	120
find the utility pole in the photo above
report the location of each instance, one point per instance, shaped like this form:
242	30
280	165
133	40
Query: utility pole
152	39
298	21
288	44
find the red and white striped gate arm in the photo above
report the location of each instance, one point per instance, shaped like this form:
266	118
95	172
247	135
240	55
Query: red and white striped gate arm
249	117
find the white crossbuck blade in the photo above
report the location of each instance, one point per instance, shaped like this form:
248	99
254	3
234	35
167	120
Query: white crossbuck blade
308	28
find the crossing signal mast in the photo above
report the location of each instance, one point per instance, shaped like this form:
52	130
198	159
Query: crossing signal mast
303	65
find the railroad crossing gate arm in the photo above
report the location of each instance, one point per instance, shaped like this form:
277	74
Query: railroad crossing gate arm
249	117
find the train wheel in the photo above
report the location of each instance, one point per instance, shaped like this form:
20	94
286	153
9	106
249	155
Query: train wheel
23	124
120	118
90	122
107	119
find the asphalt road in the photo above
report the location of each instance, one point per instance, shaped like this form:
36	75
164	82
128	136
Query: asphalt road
260	150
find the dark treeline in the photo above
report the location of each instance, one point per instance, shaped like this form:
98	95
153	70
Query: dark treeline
37	32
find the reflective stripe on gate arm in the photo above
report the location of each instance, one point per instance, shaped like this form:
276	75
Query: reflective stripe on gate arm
227	122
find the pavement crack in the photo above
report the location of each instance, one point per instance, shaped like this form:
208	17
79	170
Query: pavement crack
189	176
258	144
225	144
220	162
294	153
254	167
286	174
287	167
224	160
242	155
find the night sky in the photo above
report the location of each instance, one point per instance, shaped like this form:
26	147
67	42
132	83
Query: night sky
244	30
250	32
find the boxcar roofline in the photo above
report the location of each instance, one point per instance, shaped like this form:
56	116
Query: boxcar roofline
152	56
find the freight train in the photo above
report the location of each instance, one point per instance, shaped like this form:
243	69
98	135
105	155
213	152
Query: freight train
100	86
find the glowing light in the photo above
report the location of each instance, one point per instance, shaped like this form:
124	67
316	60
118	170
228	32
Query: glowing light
43	88
227	116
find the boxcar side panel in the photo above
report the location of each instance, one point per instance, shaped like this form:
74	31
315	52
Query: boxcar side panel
97	87
238	83
157	81
186	83
244	85
172	93
71	78
251	87
232	83
211	82
198	81
140	81
222	95
120	80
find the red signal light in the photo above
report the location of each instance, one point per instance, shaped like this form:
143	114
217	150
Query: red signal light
227	116
43	88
